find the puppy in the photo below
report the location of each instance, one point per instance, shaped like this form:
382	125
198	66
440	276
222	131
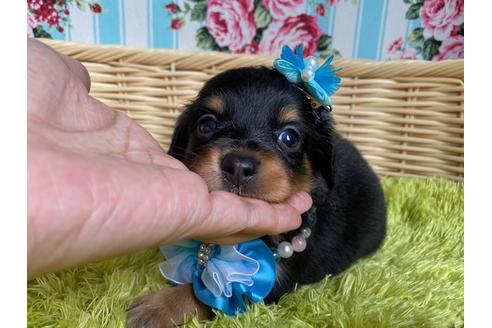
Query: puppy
253	133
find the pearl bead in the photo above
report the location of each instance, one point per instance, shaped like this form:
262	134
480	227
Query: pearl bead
285	249
307	75
311	61
298	243
306	232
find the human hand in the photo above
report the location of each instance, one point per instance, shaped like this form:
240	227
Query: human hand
100	186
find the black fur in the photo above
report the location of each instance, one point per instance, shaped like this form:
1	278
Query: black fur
350	207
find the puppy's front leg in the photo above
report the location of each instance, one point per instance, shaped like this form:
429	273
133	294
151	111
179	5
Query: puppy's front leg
166	308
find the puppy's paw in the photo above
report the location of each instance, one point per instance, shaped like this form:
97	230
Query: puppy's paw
144	313
149	311
166	308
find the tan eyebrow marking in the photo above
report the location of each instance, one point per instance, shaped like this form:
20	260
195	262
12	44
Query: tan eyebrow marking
215	104
289	114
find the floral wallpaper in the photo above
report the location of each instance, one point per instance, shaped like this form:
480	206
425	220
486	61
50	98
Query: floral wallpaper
440	34
54	14
254	26
371	29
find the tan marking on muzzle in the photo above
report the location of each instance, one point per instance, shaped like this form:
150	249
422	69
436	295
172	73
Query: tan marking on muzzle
273	183
207	166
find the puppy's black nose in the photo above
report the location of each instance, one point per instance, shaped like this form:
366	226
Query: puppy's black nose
238	169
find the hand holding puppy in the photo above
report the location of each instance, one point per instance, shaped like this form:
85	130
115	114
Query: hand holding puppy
100	186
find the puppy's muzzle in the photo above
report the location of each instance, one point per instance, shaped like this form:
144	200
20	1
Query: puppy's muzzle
239	169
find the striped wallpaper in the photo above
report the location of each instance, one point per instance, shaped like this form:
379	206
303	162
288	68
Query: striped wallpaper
361	29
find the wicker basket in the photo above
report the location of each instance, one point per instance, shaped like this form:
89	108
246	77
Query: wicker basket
406	117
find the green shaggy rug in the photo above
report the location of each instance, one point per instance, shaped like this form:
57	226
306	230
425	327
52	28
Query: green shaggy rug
415	280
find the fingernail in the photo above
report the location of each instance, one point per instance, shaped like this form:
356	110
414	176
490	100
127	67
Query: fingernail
301	202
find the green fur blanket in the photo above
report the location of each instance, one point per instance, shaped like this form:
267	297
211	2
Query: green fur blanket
415	280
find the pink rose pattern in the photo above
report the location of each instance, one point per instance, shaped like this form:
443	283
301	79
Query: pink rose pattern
280	9
451	48
31	24
231	23
396	51
440	36
255	26
440	16
45	15
291	31
264	26
395	46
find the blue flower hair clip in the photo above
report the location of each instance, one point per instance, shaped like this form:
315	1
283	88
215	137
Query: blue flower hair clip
319	83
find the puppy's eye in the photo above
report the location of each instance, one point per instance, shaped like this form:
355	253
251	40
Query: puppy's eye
289	138
207	125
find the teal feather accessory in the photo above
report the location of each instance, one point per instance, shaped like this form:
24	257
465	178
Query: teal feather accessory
318	82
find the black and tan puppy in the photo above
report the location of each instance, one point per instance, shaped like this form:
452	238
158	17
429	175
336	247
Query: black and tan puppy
253	133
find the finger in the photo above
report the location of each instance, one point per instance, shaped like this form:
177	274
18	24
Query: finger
78	70
301	201
231	214
43	56
285	217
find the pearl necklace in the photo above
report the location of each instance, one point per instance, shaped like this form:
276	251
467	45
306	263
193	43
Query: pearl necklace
298	243
284	249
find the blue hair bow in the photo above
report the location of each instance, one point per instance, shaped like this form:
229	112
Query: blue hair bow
320	82
228	275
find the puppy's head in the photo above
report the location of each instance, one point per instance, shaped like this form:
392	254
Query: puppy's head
253	133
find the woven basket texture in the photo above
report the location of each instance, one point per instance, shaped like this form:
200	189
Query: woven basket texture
406	117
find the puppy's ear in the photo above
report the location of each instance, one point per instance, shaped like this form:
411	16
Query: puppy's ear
181	134
323	154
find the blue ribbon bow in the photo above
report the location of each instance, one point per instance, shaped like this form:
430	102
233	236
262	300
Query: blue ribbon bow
230	274
320	82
